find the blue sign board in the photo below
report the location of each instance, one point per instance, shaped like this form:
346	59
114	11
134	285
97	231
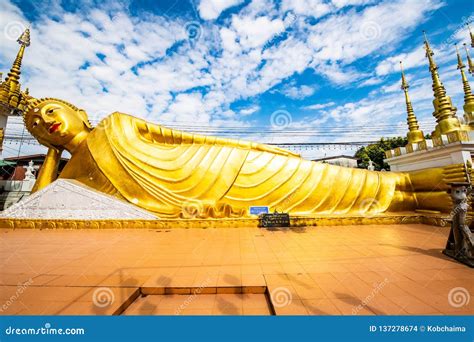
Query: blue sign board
258	210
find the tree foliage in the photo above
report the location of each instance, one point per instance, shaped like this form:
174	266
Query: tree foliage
376	152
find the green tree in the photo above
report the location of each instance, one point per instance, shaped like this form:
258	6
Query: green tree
376	152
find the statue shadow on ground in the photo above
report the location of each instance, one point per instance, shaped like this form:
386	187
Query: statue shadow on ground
231	279
163	280
294	279
146	308
298	230
226	306
434	252
316	311
355	302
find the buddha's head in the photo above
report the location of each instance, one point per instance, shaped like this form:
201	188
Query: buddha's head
56	123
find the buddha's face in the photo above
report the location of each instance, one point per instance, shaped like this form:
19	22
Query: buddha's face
56	123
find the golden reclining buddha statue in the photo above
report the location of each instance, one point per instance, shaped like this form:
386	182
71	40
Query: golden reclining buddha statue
176	174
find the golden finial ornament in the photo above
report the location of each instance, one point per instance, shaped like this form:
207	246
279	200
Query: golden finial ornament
414	135
469	61
470	34
12	100
468	97
460	62
444	111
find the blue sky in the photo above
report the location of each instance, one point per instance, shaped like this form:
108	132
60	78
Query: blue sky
271	71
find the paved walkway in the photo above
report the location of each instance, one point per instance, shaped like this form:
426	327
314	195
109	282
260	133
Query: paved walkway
347	270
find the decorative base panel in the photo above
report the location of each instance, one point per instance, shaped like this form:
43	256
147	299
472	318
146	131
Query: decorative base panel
295	222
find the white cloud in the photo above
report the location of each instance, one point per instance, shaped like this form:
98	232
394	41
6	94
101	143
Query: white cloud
344	3
314	8
296	92
187	108
412	59
254	32
249	110
229	41
212	9
371	81
340	75
349	36
318	106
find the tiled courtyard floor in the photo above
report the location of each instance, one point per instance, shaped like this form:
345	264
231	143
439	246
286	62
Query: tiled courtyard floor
364	270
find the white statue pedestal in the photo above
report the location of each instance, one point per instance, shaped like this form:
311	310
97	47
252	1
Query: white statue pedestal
69	199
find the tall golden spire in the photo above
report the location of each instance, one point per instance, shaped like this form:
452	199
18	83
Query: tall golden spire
414	135
11	98
444	111
469	61
470	33
468	97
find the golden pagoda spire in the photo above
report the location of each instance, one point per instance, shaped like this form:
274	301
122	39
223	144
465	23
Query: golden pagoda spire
470	33
10	95
415	135
468	97
469	61
444	111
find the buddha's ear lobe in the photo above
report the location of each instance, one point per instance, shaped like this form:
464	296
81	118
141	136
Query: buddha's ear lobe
85	118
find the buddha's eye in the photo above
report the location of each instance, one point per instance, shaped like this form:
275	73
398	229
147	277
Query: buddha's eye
50	111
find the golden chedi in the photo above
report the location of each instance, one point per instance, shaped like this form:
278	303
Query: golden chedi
414	135
445	113
177	174
12	100
468	96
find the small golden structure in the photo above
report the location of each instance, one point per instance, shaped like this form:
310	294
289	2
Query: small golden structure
444	111
471	35
415	135
11	96
470	64
468	96
12	100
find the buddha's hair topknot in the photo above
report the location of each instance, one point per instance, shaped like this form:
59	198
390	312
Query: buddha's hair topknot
36	102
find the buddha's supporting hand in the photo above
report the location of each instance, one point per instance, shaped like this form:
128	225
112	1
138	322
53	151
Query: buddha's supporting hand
49	170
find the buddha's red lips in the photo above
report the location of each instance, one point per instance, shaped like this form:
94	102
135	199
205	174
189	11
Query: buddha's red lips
54	127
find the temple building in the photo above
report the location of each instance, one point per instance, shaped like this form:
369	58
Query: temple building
15	180
452	141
